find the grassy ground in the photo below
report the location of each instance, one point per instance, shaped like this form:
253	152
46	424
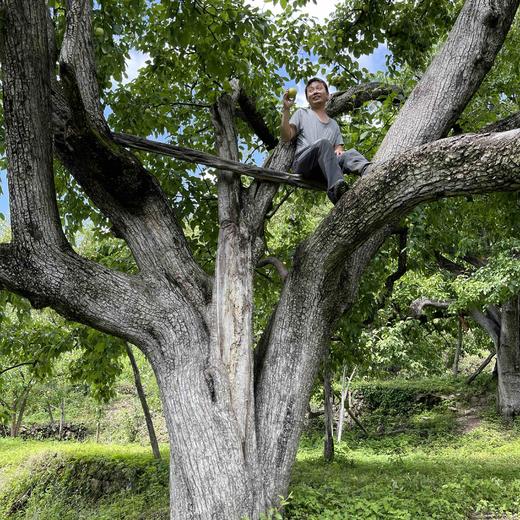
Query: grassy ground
438	469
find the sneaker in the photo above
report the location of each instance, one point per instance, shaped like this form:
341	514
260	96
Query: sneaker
337	191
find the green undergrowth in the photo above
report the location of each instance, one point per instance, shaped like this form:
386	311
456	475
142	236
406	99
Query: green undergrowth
427	407
399	478
74	481
449	474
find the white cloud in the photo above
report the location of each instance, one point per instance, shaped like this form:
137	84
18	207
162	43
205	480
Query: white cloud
134	63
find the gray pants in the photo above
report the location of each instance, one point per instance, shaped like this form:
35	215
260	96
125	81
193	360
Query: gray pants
319	161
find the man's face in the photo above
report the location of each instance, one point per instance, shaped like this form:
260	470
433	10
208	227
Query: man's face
317	93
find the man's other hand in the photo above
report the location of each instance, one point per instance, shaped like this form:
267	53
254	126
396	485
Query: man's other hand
288	102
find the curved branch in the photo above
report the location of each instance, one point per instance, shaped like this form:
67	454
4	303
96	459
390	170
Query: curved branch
4	370
277	263
80	290
348	100
418	305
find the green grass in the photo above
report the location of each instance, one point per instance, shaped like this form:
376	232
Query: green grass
81	481
430	472
396	478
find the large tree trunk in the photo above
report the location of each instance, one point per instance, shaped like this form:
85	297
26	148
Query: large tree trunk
508	360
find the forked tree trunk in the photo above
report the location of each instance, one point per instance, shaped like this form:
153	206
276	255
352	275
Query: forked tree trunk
19	411
508	360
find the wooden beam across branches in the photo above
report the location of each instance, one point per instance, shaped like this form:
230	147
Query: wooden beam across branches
198	157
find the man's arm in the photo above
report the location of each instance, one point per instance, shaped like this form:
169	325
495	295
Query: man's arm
287	130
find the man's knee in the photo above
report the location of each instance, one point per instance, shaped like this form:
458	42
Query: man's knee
324	144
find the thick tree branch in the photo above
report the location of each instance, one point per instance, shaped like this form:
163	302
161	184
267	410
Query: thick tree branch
27	113
449	167
77	58
111	176
418	305
348	100
255	120
316	279
453	76
80	290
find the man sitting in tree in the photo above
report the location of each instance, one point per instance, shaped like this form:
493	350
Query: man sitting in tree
319	144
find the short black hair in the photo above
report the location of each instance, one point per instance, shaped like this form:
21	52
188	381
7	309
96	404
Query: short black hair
319	80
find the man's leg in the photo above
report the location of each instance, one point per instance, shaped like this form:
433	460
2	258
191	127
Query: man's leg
352	161
320	156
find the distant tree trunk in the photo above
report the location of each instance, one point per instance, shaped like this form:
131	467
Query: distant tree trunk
458	350
62	418
345	392
328	447
508	360
98	423
144	404
18	412
49	411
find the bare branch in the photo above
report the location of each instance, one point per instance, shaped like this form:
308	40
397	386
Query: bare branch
402	259
273	212
417	306
483	365
198	157
4	370
354	97
277	263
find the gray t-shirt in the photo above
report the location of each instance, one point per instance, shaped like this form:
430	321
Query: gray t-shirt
310	129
